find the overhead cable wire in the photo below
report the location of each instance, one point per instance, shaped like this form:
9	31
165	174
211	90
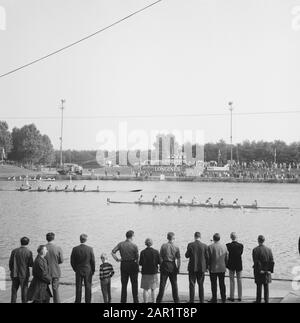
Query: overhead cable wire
79	41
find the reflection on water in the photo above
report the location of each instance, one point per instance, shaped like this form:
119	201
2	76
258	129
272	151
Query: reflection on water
70	214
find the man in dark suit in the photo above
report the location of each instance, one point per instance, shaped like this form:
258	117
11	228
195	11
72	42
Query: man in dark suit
235	266
83	264
19	263
263	267
54	258
197	252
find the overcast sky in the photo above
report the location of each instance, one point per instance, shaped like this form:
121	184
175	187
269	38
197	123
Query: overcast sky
178	57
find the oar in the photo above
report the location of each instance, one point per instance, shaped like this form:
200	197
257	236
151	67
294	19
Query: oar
273	207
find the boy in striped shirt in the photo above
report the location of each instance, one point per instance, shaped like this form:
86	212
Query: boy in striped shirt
105	273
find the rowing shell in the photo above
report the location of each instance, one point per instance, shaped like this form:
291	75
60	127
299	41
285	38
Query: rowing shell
67	191
217	206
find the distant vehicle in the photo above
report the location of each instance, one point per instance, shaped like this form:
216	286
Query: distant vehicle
69	169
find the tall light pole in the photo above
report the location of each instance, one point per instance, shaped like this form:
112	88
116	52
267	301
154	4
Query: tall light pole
230	109
61	130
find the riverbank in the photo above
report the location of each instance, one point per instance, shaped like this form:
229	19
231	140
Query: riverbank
150	179
280	292
7	172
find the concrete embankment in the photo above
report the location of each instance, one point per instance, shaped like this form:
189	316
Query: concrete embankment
280	291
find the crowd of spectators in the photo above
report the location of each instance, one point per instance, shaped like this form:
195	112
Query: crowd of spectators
258	170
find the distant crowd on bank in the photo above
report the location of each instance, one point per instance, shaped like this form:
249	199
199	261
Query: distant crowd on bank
259	170
214	259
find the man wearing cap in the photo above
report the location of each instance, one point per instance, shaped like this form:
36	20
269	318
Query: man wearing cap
129	265
54	258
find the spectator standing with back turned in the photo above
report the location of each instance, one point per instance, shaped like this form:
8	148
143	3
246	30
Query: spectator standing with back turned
170	256
54	257
20	261
129	265
218	258
235	266
263	266
83	264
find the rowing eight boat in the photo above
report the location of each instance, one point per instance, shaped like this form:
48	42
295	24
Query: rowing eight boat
201	205
68	191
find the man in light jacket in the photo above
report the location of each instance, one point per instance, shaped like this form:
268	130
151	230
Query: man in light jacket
218	258
54	258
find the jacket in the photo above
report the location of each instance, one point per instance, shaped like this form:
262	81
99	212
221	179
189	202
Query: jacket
83	260
218	258
197	252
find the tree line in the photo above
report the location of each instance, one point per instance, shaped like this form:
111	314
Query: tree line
26	145
246	152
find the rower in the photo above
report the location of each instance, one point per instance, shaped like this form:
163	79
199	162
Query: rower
48	188
254	203
74	188
98	188
84	187
167	200
154	200
66	187
194	200
56	189
235	202
140	198
208	201
221	202
179	200
39	188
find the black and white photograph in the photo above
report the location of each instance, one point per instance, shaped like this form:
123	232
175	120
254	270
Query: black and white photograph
149	154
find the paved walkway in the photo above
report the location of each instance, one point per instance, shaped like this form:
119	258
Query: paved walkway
279	292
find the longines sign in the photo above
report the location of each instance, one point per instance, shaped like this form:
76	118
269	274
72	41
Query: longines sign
163	169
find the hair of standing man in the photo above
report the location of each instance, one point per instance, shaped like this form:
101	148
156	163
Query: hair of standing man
50	236
104	256
216	237
40	248
197	235
261	239
83	238
24	241
233	236
148	242
170	236
129	234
